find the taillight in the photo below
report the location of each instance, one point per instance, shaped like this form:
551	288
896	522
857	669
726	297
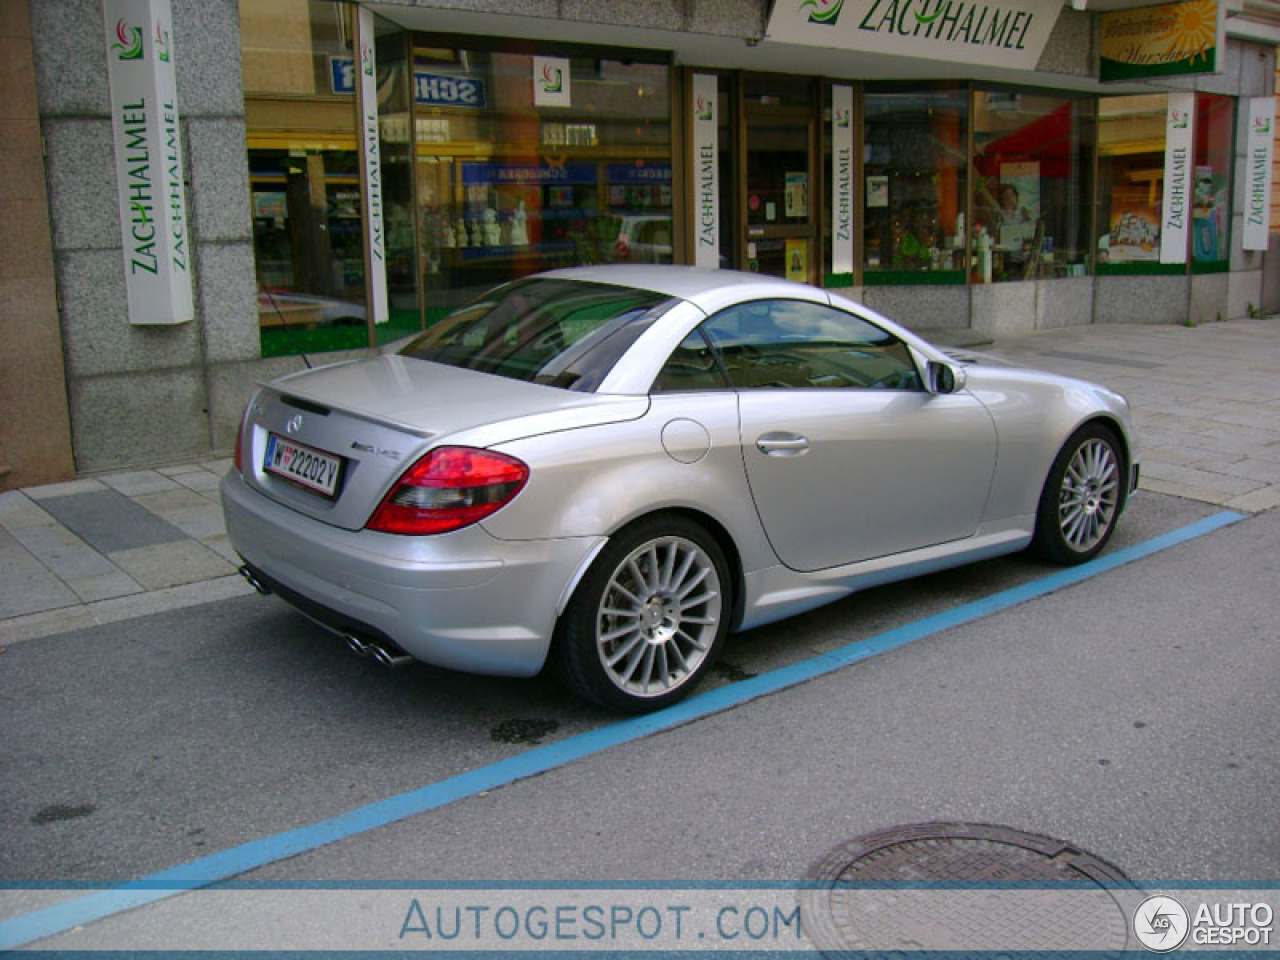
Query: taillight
239	440
449	488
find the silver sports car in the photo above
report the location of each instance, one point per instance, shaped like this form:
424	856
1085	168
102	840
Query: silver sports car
604	471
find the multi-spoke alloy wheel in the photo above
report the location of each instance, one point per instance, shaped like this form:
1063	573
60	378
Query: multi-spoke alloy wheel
658	617
1090	494
646	621
1083	496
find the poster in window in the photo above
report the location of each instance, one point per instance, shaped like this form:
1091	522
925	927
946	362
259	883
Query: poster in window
797	195
877	191
797	259
1017	204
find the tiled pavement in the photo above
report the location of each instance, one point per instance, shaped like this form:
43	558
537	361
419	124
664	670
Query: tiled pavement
1206	400
96	550
112	547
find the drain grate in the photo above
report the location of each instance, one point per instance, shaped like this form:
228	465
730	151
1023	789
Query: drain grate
966	887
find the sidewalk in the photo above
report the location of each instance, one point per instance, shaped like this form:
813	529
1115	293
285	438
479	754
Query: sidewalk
113	547
123	545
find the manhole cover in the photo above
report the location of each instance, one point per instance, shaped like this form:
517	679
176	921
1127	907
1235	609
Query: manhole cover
965	887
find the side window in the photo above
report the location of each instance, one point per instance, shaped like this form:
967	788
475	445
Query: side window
793	343
691	366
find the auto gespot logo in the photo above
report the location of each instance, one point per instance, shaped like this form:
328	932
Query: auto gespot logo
1161	923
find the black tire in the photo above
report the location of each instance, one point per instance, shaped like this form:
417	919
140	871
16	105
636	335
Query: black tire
647	620
1082	497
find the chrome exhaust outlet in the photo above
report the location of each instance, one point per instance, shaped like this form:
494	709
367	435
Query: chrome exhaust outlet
381	655
359	647
388	659
253	581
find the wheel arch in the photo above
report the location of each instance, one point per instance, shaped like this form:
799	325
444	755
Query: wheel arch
710	524
1117	428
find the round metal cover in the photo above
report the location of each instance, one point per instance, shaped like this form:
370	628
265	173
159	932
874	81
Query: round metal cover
965	887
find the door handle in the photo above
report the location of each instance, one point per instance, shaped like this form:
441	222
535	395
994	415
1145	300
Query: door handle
783	445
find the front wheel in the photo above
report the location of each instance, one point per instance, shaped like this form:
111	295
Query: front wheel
645	623
1082	497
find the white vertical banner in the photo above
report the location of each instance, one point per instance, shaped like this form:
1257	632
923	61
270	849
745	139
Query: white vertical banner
146	134
375	237
706	170
1175	210
841	179
1257	217
552	82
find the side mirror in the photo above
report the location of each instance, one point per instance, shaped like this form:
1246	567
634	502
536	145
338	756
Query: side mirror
943	378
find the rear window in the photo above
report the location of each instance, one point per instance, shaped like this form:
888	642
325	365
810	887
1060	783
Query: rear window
563	333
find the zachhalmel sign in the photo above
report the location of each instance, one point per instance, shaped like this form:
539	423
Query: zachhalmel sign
148	155
1169	40
1004	33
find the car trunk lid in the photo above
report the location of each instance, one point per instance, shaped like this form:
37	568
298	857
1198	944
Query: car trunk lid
330	442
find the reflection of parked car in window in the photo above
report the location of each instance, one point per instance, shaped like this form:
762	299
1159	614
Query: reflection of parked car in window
287	308
643	240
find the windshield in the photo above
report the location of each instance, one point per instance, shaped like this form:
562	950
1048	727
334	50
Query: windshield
564	333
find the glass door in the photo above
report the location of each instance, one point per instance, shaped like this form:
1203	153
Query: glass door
779	188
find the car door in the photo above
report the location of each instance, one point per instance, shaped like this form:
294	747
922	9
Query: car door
848	456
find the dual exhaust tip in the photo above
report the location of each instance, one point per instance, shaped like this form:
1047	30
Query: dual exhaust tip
381	655
364	648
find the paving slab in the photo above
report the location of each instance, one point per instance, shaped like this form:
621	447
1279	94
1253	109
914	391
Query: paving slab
109	521
135	482
28	584
170	564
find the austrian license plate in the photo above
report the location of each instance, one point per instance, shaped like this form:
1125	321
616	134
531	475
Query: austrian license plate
308	466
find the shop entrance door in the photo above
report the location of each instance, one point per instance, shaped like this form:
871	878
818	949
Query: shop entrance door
779	188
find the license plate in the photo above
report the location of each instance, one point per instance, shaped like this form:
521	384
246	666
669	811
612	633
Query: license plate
312	468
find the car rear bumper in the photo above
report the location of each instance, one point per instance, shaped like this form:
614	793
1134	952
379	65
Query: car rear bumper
463	600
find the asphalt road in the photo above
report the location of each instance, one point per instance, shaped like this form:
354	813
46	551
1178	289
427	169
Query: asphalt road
1135	714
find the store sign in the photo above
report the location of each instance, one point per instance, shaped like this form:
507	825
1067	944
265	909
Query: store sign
147	138
552	82
1175	210
1257	208
998	33
532	174
1168	40
429	89
706	170
370	145
637	173
842	178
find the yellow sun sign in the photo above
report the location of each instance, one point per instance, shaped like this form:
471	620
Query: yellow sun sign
1174	38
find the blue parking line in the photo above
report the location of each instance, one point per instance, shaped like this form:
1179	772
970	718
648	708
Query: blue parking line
205	871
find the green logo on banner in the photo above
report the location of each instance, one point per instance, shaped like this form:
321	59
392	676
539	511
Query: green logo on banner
824	12
128	45
552	79
162	43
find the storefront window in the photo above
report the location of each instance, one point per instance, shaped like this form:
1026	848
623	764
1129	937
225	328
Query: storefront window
1211	211
1131	134
507	186
914	185
1030	190
304	175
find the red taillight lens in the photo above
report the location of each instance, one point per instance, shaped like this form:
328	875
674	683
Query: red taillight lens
449	488
239	440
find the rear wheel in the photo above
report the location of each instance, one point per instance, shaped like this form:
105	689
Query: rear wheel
1082	497
647	620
